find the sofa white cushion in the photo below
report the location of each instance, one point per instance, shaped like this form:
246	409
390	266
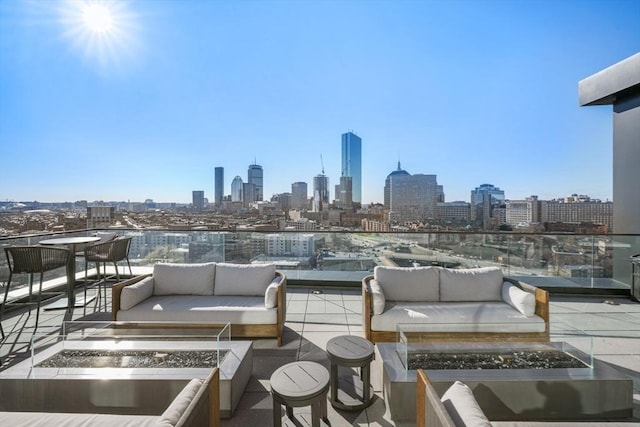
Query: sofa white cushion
184	279
408	284
471	284
377	297
218	310
523	301
136	293
179	405
271	294
243	279
463	407
457	317
60	419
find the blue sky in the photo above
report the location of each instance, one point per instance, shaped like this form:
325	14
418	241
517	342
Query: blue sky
146	105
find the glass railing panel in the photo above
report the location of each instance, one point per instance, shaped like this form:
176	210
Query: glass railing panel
541	259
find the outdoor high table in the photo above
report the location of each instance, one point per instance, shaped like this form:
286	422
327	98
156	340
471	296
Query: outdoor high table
74	244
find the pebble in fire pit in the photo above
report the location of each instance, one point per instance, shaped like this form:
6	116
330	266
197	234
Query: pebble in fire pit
131	359
504	360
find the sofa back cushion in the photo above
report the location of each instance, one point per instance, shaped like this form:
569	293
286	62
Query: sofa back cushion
463	407
243	279
471	284
408	284
184	279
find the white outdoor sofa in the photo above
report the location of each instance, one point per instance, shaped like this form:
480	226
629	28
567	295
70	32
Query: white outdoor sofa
251	297
458	407
79	403
452	304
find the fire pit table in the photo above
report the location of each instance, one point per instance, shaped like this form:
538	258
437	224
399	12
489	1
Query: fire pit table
103	351
559	379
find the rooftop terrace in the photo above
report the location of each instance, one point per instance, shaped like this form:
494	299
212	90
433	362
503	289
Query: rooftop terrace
316	313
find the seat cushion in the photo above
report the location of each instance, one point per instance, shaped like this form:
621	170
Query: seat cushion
59	419
457	317
183	279
471	284
408	284
243	279
201	309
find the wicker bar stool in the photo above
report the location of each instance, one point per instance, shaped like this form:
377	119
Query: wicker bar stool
111	251
30	260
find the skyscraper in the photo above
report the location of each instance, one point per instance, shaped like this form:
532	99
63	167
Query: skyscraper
352	163
483	200
254	176
299	195
198	200
236	189
320	192
387	184
219	186
413	197
344	193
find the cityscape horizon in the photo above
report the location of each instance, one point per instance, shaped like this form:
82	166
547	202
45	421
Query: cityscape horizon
147	102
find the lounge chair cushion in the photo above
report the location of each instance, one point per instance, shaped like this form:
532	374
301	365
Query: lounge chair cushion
463	407
136	293
409	284
243	279
524	302
59	419
184	279
201	309
457	317
472	284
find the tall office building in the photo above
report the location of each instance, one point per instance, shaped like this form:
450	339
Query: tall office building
387	184
320	193
198	200
236	189
219	186
344	195
352	163
484	199
413	197
249	194
254	176
299	195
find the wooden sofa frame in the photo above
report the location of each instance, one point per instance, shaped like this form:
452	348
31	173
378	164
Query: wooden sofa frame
251	330
542	310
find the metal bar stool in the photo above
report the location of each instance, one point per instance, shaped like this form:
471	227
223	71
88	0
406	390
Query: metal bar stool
111	251
30	260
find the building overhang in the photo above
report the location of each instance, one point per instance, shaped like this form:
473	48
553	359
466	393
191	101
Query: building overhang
615	82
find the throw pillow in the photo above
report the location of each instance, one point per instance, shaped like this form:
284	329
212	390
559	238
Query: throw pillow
134	294
463	407
523	301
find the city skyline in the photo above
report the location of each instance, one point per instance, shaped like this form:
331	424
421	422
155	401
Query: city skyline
160	93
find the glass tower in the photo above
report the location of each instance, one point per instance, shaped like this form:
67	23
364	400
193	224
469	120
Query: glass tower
219	186
352	163
255	177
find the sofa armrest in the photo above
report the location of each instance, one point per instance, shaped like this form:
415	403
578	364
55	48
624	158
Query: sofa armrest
204	407
116	292
271	293
430	410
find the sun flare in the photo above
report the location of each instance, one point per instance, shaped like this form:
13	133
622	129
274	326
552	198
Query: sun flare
103	31
97	18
